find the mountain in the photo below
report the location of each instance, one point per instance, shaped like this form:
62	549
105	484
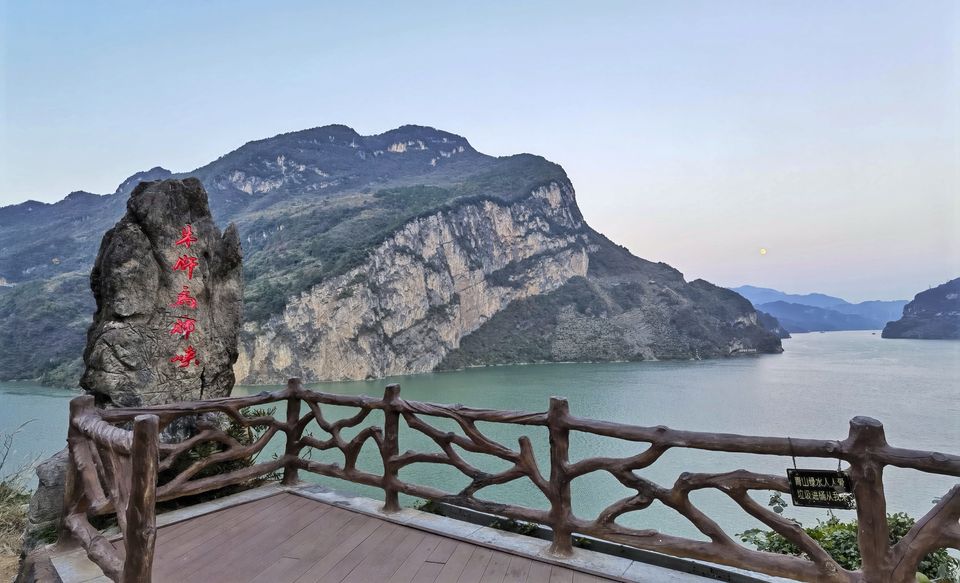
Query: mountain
819	312
773	325
878	312
801	318
932	315
373	255
766	295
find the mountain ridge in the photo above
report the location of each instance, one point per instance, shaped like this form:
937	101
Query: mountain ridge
933	314
326	215
816	312
765	295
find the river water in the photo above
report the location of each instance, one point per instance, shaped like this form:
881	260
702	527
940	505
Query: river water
812	390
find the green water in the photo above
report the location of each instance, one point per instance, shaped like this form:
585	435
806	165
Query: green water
811	390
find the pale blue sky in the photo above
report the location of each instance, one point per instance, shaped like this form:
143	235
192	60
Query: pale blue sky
695	132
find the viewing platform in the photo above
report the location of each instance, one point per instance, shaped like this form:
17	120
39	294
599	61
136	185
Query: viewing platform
277	534
120	469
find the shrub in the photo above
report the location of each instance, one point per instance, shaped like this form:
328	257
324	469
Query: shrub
429	506
839	539
517	526
13	505
244	436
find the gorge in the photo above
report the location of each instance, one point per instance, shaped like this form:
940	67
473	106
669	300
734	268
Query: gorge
366	256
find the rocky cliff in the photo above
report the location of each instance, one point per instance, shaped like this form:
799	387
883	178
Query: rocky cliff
420	292
932	315
770	323
374	255
489	283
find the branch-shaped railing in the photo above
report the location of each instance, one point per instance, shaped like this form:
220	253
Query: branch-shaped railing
865	450
112	471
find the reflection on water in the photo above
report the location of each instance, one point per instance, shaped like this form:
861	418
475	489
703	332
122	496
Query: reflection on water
811	390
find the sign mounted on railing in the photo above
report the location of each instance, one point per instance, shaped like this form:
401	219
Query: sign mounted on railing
821	489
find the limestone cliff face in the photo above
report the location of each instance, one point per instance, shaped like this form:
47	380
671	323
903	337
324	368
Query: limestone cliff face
491	282
436	280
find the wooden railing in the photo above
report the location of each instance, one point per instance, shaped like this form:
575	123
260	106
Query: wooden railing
115	472
112	471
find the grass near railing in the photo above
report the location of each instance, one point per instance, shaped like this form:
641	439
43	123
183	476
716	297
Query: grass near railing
14	498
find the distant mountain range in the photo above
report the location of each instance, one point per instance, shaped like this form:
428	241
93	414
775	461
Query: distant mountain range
818	312
932	315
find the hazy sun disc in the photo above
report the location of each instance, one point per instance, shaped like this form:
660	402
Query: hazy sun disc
763	251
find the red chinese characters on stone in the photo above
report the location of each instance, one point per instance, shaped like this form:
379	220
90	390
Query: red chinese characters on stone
184	327
184	359
185	299
186	237
186	263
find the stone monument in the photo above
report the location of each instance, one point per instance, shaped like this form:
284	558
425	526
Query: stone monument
168	288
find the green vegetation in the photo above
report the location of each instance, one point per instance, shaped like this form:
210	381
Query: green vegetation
510	179
582	542
839	539
13	506
293	248
244	436
524	330
41	325
429	506
533	529
517	526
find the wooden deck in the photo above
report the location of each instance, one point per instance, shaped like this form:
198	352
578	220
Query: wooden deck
286	537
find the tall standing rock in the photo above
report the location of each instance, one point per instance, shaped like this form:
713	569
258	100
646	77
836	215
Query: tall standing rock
133	339
130	344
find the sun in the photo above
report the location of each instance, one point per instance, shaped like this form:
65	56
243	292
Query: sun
763	251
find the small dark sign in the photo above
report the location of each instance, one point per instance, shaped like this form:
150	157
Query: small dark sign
821	489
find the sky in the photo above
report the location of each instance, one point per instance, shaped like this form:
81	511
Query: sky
695	133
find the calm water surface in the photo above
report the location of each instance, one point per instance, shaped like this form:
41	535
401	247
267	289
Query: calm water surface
811	390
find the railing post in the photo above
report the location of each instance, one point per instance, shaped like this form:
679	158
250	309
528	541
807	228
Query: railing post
390	448
140	536
291	472
873	537
560	506
73	485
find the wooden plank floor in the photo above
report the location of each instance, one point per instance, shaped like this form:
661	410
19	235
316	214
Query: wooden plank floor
287	538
